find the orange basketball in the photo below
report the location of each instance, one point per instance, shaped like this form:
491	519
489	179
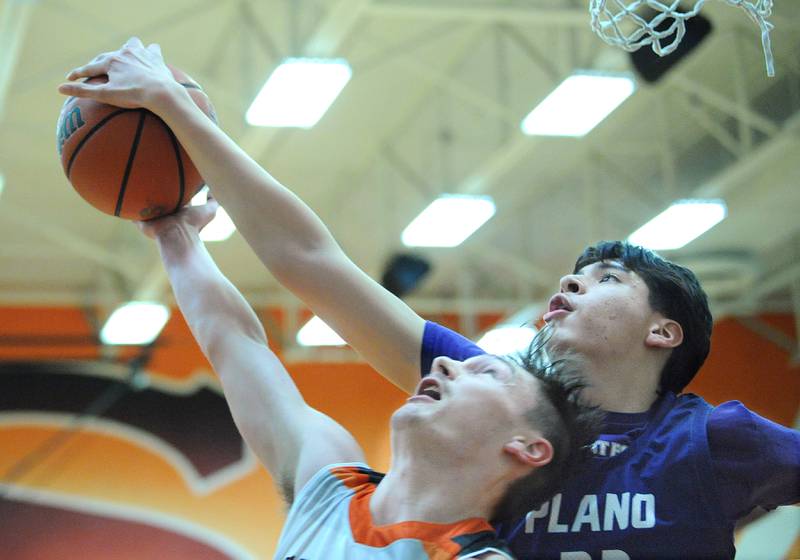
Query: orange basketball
127	162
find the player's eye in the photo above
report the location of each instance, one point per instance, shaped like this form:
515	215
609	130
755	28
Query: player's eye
608	276
483	369
499	373
496	368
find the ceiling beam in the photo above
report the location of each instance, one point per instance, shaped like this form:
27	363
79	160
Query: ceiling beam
339	22
529	15
76	244
326	40
734	108
495	167
506	157
780	145
459	90
34	296
14	19
416	96
323	43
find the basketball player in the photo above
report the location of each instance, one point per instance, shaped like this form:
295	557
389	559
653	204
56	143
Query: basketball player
510	432
670	476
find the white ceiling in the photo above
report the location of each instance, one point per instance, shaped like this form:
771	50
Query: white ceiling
438	92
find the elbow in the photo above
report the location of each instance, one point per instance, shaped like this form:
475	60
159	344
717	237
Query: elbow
212	343
296	267
216	340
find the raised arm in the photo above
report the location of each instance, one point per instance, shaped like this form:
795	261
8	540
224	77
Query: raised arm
290	438
286	234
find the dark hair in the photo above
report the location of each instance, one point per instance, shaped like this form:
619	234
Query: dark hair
566	421
675	292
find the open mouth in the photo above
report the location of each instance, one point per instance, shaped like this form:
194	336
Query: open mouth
429	388
559	305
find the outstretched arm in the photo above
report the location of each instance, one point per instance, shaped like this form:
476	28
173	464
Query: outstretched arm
286	234
290	438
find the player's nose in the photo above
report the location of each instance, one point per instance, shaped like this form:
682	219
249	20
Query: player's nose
571	284
447	367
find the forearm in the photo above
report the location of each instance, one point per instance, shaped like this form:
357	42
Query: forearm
208	301
279	226
298	249
292	440
265	403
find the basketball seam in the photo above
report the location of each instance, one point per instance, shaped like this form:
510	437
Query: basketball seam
181	177
131	157
89	134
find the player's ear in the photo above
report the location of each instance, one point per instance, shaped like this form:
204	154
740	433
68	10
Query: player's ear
532	452
664	333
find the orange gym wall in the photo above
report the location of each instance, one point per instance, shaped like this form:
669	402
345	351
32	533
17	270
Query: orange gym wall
135	503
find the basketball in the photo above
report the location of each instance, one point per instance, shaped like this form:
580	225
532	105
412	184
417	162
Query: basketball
127	162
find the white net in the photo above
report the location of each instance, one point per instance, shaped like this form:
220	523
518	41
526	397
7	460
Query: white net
632	24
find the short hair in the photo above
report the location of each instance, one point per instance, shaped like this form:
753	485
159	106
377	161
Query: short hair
566	420
676	293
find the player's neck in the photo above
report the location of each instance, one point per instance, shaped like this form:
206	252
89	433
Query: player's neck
430	492
623	385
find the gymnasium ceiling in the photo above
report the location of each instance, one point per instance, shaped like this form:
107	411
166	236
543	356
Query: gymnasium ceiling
434	106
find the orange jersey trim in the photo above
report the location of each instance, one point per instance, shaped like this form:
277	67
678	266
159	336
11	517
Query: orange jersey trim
436	537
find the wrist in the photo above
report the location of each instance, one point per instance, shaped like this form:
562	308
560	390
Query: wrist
165	100
176	234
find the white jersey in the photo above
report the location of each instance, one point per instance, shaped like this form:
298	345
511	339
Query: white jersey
330	520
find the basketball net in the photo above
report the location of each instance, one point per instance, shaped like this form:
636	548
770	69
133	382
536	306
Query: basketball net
632	24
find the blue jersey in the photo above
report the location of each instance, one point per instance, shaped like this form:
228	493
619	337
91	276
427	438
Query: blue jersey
661	484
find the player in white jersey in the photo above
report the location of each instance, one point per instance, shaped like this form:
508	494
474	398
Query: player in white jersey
342	510
331	519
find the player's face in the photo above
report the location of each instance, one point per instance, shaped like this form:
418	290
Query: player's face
479	403
601	311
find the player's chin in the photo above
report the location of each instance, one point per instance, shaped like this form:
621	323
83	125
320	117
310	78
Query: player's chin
562	341
557	330
403	418
413	411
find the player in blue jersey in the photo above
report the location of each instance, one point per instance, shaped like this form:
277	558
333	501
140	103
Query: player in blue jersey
511	429
670	475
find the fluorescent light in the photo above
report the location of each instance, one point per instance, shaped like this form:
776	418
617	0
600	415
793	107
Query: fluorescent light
448	221
507	340
221	227
679	224
299	92
317	333
2	183
135	323
578	104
